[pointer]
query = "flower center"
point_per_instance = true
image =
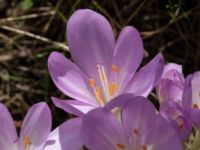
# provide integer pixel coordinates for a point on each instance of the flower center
(106, 90)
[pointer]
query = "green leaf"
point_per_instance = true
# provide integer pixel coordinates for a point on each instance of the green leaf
(26, 4)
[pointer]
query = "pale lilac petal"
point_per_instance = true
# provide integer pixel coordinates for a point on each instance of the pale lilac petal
(171, 67)
(8, 133)
(141, 121)
(169, 90)
(165, 137)
(146, 78)
(188, 101)
(194, 114)
(195, 83)
(70, 137)
(195, 103)
(101, 131)
(53, 141)
(178, 117)
(69, 78)
(119, 101)
(127, 55)
(91, 41)
(137, 115)
(74, 107)
(36, 125)
(187, 93)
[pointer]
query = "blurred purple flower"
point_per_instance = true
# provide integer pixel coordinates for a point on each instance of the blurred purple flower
(191, 101)
(170, 94)
(171, 85)
(134, 129)
(102, 69)
(35, 130)
(178, 117)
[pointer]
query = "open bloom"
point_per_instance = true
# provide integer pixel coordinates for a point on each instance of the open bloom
(35, 131)
(170, 93)
(139, 127)
(102, 68)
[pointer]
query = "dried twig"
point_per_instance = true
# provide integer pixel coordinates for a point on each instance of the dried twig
(30, 16)
(38, 37)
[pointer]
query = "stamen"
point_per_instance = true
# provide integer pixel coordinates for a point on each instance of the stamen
(110, 90)
(115, 69)
(121, 146)
(104, 81)
(91, 83)
(98, 95)
(115, 87)
(26, 142)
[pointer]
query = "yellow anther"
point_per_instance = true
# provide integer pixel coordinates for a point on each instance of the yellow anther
(121, 146)
(26, 142)
(98, 95)
(110, 89)
(115, 69)
(115, 87)
(91, 83)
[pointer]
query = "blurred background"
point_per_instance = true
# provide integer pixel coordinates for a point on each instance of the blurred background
(31, 29)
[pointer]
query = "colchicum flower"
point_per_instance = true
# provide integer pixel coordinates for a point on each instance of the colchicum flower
(102, 69)
(35, 131)
(191, 101)
(171, 85)
(139, 127)
(170, 93)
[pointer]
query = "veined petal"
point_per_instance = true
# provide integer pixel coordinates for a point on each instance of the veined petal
(127, 55)
(75, 107)
(69, 78)
(165, 137)
(170, 90)
(53, 141)
(91, 41)
(195, 84)
(178, 117)
(101, 131)
(146, 78)
(36, 126)
(119, 101)
(70, 134)
(144, 125)
(8, 133)
(172, 66)
(187, 93)
(137, 115)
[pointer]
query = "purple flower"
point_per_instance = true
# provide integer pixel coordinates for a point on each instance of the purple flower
(102, 68)
(178, 117)
(191, 101)
(138, 127)
(170, 93)
(35, 130)
(171, 85)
